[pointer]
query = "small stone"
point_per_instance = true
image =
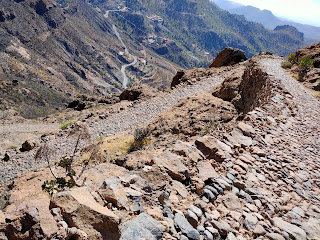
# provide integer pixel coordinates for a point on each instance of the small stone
(250, 221)
(259, 231)
(274, 236)
(223, 227)
(246, 129)
(196, 210)
(231, 236)
(231, 201)
(192, 218)
(258, 151)
(208, 235)
(214, 232)
(186, 228)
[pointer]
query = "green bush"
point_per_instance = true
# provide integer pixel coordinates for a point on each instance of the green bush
(306, 62)
(66, 125)
(292, 58)
(286, 65)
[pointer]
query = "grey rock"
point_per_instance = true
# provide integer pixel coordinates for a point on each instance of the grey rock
(240, 138)
(250, 221)
(192, 218)
(294, 231)
(223, 227)
(274, 236)
(142, 226)
(196, 210)
(207, 235)
(185, 227)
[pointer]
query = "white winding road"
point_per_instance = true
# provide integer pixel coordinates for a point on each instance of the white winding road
(135, 59)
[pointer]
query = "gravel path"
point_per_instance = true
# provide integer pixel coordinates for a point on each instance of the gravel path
(147, 111)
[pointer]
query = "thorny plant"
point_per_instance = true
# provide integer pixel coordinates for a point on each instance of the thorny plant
(81, 135)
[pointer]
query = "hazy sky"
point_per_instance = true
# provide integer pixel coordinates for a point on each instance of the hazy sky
(304, 11)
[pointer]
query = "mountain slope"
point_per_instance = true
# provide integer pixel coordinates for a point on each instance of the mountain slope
(267, 19)
(200, 26)
(52, 53)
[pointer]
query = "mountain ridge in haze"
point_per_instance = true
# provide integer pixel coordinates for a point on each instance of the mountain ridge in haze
(268, 19)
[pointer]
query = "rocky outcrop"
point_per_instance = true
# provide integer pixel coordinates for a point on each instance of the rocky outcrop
(138, 91)
(177, 79)
(80, 209)
(246, 90)
(228, 56)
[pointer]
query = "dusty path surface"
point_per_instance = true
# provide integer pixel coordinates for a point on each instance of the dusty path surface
(303, 127)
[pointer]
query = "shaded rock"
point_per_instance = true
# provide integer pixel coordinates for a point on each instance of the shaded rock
(138, 91)
(185, 227)
(223, 227)
(246, 91)
(26, 222)
(294, 231)
(6, 157)
(142, 227)
(77, 105)
(112, 190)
(28, 145)
(177, 78)
(173, 165)
(229, 56)
(81, 210)
(210, 148)
(192, 218)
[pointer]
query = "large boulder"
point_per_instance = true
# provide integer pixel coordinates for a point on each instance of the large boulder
(229, 56)
(29, 222)
(210, 148)
(80, 209)
(142, 227)
(173, 165)
(112, 190)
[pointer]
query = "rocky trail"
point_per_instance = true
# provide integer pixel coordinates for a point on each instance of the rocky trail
(257, 179)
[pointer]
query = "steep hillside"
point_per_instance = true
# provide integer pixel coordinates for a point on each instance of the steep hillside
(267, 19)
(52, 53)
(304, 65)
(197, 28)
